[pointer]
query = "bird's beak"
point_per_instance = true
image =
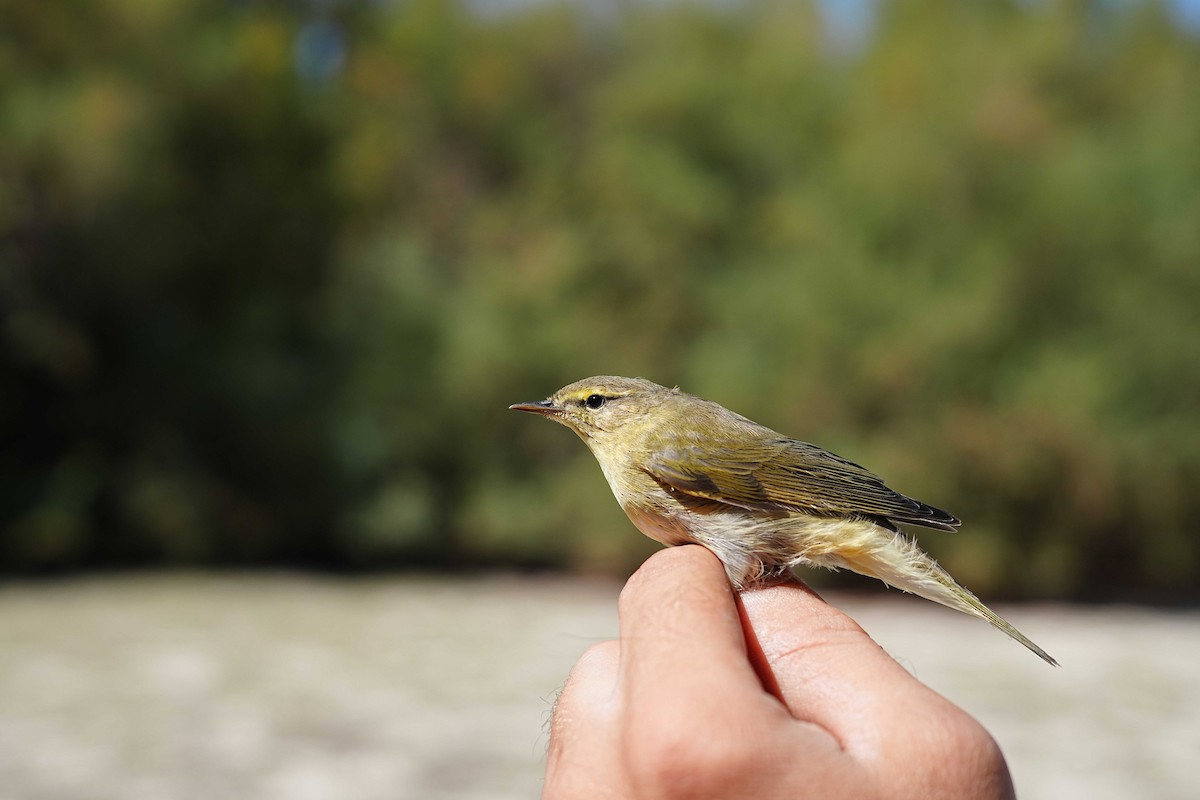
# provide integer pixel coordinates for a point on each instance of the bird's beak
(545, 407)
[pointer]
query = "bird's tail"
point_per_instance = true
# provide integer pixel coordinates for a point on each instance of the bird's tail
(897, 561)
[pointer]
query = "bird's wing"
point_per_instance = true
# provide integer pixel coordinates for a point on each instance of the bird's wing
(783, 475)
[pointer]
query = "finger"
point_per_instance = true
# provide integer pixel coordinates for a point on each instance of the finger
(584, 740)
(681, 635)
(827, 670)
(588, 701)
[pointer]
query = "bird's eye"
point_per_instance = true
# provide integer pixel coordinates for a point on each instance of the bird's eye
(594, 401)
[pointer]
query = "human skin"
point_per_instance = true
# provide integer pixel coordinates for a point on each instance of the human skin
(770, 693)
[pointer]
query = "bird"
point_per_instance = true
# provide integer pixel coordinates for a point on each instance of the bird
(688, 470)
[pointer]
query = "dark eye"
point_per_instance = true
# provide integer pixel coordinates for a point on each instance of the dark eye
(594, 400)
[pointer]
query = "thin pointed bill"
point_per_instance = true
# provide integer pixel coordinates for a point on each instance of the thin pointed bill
(544, 407)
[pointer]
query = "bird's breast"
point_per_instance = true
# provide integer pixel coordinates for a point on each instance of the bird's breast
(659, 523)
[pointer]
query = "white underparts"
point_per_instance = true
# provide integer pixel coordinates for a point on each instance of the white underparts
(752, 547)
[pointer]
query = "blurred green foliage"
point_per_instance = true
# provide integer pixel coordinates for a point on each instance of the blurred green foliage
(270, 274)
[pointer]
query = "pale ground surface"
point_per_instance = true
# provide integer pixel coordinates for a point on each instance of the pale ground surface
(264, 687)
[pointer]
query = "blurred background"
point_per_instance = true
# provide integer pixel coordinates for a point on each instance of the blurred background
(271, 272)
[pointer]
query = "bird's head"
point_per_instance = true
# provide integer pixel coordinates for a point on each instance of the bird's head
(604, 410)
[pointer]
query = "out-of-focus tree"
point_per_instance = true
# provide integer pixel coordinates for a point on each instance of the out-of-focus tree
(270, 273)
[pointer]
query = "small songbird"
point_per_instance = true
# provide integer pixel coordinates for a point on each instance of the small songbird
(687, 470)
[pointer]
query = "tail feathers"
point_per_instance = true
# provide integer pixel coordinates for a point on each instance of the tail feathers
(897, 561)
(964, 600)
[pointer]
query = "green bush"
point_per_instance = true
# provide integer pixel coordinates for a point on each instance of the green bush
(263, 309)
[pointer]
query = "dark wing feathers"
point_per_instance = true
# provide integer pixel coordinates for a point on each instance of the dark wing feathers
(782, 475)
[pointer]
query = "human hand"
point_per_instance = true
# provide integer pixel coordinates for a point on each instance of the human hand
(769, 694)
